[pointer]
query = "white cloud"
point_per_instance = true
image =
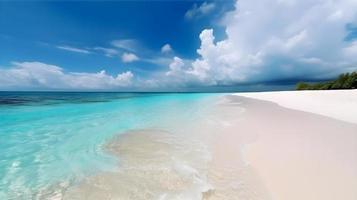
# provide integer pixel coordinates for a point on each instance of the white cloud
(37, 75)
(198, 11)
(73, 49)
(159, 60)
(127, 44)
(267, 40)
(109, 52)
(166, 48)
(175, 66)
(351, 50)
(129, 57)
(276, 40)
(100, 80)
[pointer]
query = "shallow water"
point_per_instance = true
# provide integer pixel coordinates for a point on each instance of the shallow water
(184, 161)
(154, 164)
(52, 141)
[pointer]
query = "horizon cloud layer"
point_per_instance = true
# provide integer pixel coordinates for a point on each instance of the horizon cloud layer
(265, 41)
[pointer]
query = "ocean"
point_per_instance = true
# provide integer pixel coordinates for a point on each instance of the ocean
(52, 140)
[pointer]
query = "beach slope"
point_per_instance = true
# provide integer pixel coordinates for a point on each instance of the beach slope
(338, 104)
(296, 154)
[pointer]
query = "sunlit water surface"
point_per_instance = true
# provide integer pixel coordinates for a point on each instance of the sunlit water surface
(52, 139)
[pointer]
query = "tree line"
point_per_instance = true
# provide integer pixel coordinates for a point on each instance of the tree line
(344, 81)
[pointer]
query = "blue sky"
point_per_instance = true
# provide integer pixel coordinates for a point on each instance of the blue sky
(170, 45)
(32, 30)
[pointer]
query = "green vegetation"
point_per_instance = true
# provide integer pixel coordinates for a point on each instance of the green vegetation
(344, 81)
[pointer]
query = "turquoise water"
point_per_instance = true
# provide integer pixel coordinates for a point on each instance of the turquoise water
(51, 139)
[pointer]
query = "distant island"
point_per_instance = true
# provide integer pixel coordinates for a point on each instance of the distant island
(344, 81)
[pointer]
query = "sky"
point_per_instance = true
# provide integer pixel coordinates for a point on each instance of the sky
(174, 45)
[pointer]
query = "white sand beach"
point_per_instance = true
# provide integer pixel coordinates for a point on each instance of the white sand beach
(296, 154)
(178, 100)
(244, 148)
(338, 104)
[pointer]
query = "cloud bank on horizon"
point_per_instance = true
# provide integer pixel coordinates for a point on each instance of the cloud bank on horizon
(277, 40)
(266, 41)
(37, 75)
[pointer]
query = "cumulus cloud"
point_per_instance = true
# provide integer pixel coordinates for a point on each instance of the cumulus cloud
(129, 57)
(74, 49)
(37, 75)
(267, 40)
(175, 66)
(278, 40)
(198, 11)
(166, 48)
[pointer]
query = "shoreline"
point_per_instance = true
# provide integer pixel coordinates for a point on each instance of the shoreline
(244, 148)
(153, 164)
(296, 154)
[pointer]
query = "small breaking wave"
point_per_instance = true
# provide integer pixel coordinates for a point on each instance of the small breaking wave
(154, 164)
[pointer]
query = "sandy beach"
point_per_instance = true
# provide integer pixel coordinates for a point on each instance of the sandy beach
(337, 104)
(295, 154)
(178, 100)
(244, 148)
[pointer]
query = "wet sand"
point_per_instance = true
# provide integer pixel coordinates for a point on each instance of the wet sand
(154, 164)
(242, 149)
